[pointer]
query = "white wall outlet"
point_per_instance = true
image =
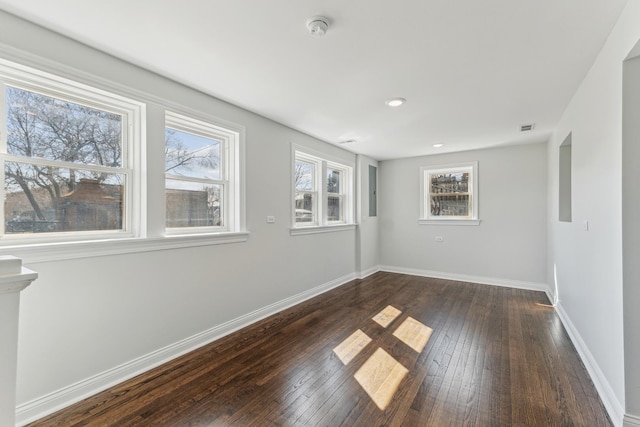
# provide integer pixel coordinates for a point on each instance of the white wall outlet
(439, 239)
(271, 219)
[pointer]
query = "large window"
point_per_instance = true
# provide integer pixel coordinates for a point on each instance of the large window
(198, 165)
(322, 191)
(68, 157)
(76, 168)
(449, 194)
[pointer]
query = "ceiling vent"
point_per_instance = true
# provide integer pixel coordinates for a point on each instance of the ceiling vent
(527, 128)
(348, 141)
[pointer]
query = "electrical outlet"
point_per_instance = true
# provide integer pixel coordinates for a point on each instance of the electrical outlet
(439, 239)
(271, 219)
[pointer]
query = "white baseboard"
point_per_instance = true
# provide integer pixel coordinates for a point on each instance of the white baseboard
(631, 421)
(613, 406)
(368, 272)
(52, 402)
(518, 284)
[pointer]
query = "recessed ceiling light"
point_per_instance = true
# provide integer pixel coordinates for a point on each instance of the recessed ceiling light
(395, 102)
(437, 145)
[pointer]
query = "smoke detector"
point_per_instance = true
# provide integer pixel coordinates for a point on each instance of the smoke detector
(318, 25)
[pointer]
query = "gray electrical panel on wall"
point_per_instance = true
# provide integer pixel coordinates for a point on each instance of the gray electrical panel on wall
(373, 191)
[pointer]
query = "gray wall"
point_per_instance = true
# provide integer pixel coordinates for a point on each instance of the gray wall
(90, 317)
(588, 260)
(508, 245)
(631, 230)
(87, 317)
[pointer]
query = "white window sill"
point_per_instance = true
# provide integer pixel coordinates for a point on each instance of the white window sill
(44, 252)
(449, 221)
(321, 229)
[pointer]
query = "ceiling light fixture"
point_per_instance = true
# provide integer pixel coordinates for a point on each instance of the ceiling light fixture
(318, 25)
(437, 145)
(395, 102)
(348, 141)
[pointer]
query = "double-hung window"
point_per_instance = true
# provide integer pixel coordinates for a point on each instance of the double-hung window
(199, 169)
(74, 162)
(449, 194)
(336, 176)
(69, 155)
(305, 178)
(322, 192)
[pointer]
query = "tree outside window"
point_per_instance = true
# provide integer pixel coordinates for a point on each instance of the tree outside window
(322, 193)
(196, 175)
(64, 166)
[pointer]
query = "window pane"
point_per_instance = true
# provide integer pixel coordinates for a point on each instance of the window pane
(54, 129)
(44, 199)
(334, 209)
(193, 204)
(304, 173)
(333, 181)
(450, 194)
(305, 212)
(450, 205)
(191, 155)
(457, 182)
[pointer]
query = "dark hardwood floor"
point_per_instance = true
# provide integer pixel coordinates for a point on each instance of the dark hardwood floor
(495, 357)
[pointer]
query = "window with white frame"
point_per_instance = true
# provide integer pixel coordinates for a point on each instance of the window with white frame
(199, 166)
(70, 156)
(335, 194)
(322, 191)
(74, 159)
(449, 194)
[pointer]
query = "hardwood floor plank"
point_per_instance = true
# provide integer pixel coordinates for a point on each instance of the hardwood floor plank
(493, 357)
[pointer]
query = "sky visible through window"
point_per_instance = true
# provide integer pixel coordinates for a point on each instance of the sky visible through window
(192, 155)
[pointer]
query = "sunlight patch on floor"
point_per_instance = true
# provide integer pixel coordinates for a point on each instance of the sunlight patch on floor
(380, 377)
(350, 347)
(386, 316)
(413, 333)
(539, 304)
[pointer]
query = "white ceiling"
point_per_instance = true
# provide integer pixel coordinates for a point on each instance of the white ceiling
(472, 71)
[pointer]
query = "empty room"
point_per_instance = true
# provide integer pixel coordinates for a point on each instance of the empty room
(320, 213)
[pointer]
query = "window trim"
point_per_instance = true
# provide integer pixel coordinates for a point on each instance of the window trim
(229, 151)
(322, 163)
(425, 217)
(150, 236)
(46, 252)
(342, 195)
(132, 112)
(317, 229)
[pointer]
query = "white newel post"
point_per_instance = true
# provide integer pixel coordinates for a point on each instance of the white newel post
(13, 279)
